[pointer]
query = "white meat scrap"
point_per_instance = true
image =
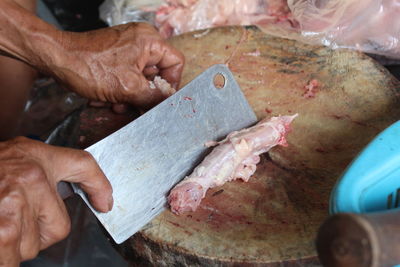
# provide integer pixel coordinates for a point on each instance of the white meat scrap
(311, 89)
(161, 84)
(235, 157)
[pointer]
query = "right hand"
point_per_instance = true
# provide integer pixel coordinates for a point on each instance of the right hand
(32, 214)
(114, 64)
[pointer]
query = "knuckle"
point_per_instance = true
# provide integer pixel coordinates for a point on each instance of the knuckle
(13, 200)
(88, 161)
(143, 25)
(33, 174)
(30, 253)
(65, 229)
(81, 158)
(19, 139)
(21, 142)
(86, 157)
(62, 230)
(9, 233)
(12, 203)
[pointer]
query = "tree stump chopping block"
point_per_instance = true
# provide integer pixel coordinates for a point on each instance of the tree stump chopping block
(343, 99)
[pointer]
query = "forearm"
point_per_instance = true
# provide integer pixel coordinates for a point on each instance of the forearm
(26, 37)
(108, 64)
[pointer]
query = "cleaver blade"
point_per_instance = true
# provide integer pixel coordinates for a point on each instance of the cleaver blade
(147, 157)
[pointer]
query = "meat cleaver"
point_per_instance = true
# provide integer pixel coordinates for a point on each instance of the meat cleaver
(147, 157)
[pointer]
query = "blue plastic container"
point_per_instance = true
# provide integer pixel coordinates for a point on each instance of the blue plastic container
(372, 180)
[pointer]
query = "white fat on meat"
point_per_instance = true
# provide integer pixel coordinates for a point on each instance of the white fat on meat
(162, 85)
(235, 157)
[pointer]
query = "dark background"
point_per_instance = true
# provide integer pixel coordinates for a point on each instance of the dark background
(76, 15)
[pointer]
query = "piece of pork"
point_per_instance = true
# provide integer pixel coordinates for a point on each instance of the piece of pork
(311, 89)
(235, 157)
(180, 16)
(162, 85)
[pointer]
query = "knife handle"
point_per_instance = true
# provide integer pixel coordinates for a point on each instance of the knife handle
(360, 240)
(65, 190)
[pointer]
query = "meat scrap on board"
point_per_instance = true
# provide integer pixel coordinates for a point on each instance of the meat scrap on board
(235, 157)
(161, 84)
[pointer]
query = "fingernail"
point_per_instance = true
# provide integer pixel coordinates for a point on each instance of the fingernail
(110, 203)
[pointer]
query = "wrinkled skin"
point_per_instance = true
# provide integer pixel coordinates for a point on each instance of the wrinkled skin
(118, 75)
(107, 65)
(32, 214)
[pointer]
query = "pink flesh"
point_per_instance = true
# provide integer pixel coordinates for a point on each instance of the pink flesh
(180, 16)
(311, 89)
(235, 157)
(161, 84)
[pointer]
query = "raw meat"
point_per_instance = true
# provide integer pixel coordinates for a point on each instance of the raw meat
(234, 158)
(161, 84)
(369, 25)
(311, 89)
(179, 16)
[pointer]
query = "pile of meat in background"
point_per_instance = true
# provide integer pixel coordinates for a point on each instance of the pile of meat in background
(174, 17)
(369, 25)
(179, 16)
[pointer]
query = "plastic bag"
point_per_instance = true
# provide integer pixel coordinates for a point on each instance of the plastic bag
(368, 25)
(177, 17)
(174, 17)
(115, 12)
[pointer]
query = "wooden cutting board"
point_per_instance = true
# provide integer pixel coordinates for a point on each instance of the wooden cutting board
(271, 220)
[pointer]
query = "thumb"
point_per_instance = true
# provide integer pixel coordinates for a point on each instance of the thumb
(71, 165)
(78, 166)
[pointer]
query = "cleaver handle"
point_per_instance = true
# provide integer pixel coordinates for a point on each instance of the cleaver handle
(65, 190)
(360, 240)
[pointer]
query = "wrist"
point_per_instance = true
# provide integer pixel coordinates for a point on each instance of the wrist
(49, 52)
(24, 36)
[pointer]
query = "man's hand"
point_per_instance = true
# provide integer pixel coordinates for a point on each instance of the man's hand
(32, 214)
(109, 65)
(114, 64)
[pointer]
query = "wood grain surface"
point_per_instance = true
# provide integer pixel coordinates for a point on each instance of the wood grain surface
(272, 220)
